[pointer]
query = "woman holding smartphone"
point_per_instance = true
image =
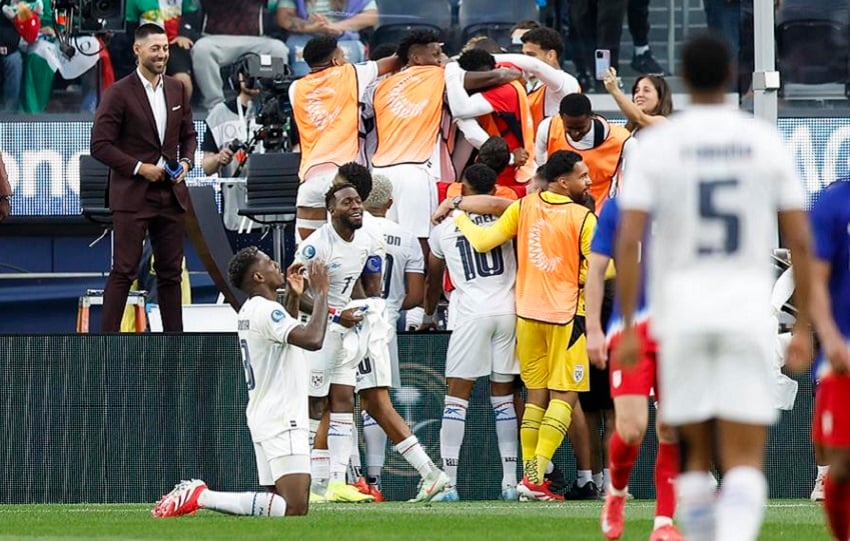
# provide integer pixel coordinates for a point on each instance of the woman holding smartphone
(651, 100)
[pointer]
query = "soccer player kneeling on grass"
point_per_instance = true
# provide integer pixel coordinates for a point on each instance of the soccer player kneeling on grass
(277, 376)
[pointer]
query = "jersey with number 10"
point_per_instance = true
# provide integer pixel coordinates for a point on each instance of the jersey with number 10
(484, 283)
(345, 260)
(276, 373)
(712, 181)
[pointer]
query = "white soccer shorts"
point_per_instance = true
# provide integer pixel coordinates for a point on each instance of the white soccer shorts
(326, 366)
(285, 454)
(726, 376)
(414, 197)
(483, 346)
(311, 192)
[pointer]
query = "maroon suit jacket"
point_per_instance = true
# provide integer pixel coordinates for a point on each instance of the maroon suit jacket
(124, 133)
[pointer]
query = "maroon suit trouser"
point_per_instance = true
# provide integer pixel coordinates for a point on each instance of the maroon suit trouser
(163, 219)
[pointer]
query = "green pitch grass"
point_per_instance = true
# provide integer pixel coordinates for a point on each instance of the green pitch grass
(491, 521)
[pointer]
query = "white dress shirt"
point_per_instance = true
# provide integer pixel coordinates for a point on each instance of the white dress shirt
(156, 99)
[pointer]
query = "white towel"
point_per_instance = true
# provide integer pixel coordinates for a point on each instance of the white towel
(369, 338)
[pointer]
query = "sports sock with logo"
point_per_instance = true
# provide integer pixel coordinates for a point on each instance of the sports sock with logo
(666, 469)
(415, 455)
(451, 434)
(740, 504)
(622, 457)
(697, 499)
(257, 504)
(320, 470)
(529, 434)
(506, 435)
(553, 428)
(339, 444)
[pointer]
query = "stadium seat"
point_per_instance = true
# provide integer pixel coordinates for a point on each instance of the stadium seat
(801, 47)
(494, 18)
(272, 186)
(398, 17)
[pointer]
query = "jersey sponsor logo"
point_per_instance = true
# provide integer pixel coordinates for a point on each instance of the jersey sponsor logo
(277, 316)
(578, 373)
(244, 325)
(317, 378)
(373, 264)
(537, 251)
(309, 251)
(402, 107)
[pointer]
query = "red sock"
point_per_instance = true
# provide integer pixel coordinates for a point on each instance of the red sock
(836, 503)
(666, 470)
(622, 457)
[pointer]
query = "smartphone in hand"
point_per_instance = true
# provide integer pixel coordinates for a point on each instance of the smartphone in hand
(603, 62)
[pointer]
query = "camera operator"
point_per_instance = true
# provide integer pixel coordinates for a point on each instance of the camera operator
(230, 126)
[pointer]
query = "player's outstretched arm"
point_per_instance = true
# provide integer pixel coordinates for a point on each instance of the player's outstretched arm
(312, 335)
(794, 225)
(594, 287)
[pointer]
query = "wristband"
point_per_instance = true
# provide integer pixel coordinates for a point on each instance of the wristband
(334, 315)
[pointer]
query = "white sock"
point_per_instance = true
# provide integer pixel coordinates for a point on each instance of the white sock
(660, 522)
(339, 444)
(597, 479)
(376, 448)
(696, 495)
(640, 49)
(415, 455)
(507, 435)
(314, 427)
(606, 479)
(550, 467)
(355, 467)
(257, 504)
(320, 470)
(583, 477)
(740, 505)
(451, 434)
(823, 470)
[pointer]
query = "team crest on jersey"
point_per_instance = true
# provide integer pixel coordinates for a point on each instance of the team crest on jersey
(309, 251)
(277, 316)
(617, 378)
(578, 373)
(317, 378)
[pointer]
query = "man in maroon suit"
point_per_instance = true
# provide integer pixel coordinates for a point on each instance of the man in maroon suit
(143, 127)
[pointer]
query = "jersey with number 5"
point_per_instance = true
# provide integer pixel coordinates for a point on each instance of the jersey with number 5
(345, 260)
(276, 373)
(712, 180)
(484, 282)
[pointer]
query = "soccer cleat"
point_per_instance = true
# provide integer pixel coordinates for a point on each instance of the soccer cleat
(365, 488)
(448, 494)
(528, 491)
(317, 498)
(586, 492)
(182, 500)
(612, 520)
(509, 494)
(817, 492)
(431, 485)
(557, 481)
(339, 492)
(666, 533)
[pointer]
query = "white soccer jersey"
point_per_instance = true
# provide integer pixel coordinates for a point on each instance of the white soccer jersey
(484, 282)
(404, 254)
(276, 373)
(713, 196)
(345, 260)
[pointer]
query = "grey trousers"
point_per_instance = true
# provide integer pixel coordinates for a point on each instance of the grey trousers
(211, 52)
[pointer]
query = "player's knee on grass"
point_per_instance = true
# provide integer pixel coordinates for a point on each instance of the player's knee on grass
(295, 489)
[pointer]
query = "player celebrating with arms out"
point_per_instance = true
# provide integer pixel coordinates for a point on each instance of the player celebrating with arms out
(277, 376)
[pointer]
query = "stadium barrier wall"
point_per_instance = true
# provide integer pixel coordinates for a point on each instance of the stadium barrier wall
(121, 418)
